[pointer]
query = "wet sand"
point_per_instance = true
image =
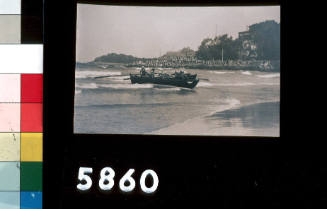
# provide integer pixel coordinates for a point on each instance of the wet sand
(260, 119)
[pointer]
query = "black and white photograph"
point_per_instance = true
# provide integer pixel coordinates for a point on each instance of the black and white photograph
(187, 70)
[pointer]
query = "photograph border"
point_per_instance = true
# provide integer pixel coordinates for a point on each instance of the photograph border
(192, 3)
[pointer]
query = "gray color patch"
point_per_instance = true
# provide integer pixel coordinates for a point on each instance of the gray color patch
(10, 29)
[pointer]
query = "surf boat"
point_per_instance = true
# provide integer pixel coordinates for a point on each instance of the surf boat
(180, 79)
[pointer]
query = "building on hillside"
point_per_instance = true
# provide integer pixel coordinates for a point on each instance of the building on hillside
(248, 46)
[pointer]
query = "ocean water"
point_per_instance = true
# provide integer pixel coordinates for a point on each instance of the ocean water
(225, 102)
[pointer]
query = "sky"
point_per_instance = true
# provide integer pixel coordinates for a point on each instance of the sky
(152, 31)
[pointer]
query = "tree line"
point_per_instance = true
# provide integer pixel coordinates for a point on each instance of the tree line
(265, 35)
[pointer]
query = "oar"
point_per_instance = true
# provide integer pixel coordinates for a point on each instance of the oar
(205, 79)
(106, 76)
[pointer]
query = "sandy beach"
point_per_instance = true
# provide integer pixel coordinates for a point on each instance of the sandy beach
(250, 120)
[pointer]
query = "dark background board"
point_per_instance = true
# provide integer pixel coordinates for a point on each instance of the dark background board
(194, 172)
(31, 21)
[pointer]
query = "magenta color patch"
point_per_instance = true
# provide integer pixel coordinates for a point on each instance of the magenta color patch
(10, 117)
(9, 88)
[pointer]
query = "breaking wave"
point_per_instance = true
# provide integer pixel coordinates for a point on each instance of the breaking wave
(246, 84)
(120, 78)
(236, 84)
(78, 91)
(197, 122)
(126, 86)
(271, 84)
(169, 89)
(79, 87)
(232, 102)
(272, 75)
(246, 73)
(86, 85)
(93, 74)
(119, 105)
(205, 84)
(220, 72)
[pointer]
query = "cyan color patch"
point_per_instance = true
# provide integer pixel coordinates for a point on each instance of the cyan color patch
(31, 200)
(9, 176)
(9, 200)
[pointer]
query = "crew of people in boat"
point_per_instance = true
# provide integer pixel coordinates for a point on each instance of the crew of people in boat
(179, 74)
(181, 79)
(144, 73)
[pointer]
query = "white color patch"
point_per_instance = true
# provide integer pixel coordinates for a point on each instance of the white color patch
(21, 58)
(10, 6)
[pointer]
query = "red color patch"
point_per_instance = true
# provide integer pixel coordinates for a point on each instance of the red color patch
(31, 88)
(31, 117)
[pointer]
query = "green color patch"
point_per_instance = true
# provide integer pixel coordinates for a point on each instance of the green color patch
(31, 176)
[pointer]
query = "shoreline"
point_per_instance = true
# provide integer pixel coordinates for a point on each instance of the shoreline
(274, 66)
(200, 126)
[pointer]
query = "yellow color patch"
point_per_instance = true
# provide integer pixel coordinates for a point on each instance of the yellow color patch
(9, 146)
(31, 147)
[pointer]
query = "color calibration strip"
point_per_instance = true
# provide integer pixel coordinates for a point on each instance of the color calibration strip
(21, 99)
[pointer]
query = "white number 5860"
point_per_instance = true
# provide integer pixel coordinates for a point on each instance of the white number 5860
(126, 183)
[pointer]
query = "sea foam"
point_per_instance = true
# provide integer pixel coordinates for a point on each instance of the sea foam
(205, 84)
(126, 86)
(220, 72)
(86, 85)
(120, 78)
(246, 73)
(236, 84)
(78, 91)
(272, 75)
(197, 125)
(93, 74)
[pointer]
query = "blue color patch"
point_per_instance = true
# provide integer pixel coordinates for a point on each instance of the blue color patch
(31, 200)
